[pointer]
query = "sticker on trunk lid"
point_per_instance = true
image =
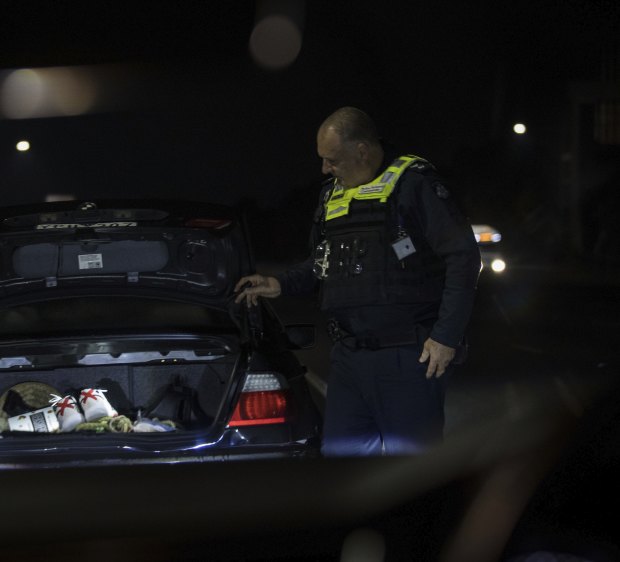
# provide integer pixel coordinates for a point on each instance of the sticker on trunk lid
(90, 261)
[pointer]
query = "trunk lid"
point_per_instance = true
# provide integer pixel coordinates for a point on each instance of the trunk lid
(187, 249)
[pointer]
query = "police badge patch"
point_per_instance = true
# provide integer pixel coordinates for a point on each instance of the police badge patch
(441, 190)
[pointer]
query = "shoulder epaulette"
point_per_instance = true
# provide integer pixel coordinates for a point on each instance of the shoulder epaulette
(421, 165)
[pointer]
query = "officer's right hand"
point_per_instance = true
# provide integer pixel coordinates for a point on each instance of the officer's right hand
(253, 286)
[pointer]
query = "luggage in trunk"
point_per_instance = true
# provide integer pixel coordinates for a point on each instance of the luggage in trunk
(187, 395)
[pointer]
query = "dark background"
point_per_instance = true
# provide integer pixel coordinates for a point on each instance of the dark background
(192, 115)
(185, 112)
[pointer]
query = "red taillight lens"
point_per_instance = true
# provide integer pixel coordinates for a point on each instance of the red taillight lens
(259, 408)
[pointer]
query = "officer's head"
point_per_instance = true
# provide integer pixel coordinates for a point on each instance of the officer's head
(349, 146)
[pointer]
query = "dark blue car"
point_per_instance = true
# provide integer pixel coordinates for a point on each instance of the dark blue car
(128, 306)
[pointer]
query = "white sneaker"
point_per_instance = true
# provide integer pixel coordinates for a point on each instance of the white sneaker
(95, 405)
(67, 411)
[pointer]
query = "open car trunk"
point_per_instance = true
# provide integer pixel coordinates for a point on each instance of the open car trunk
(162, 402)
(188, 396)
(204, 389)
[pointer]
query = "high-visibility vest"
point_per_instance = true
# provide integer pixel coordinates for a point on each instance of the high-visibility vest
(357, 262)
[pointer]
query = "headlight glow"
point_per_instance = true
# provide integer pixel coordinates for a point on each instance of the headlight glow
(498, 265)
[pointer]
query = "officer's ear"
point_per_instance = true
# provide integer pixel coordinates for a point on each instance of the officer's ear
(362, 151)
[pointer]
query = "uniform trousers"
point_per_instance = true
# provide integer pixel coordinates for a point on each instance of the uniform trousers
(379, 402)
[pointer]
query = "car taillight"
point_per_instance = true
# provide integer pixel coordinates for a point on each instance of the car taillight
(263, 400)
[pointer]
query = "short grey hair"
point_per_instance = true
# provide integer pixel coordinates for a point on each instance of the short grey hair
(353, 125)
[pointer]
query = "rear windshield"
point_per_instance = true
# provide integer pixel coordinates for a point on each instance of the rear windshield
(84, 315)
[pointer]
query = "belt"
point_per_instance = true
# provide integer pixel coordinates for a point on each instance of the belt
(372, 342)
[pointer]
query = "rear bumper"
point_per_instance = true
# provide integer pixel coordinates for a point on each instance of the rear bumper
(45, 460)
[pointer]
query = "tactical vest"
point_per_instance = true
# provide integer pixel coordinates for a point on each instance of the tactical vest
(357, 261)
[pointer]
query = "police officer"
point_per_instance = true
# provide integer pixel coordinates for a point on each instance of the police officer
(398, 266)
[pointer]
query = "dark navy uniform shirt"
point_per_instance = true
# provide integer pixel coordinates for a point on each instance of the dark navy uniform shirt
(421, 197)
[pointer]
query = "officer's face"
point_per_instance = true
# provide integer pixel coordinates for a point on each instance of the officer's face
(341, 159)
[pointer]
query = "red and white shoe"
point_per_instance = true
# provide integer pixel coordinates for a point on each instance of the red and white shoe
(95, 405)
(67, 411)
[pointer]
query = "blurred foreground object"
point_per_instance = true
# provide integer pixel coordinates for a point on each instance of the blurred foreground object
(276, 39)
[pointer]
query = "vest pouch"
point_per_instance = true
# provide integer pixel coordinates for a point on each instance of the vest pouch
(356, 269)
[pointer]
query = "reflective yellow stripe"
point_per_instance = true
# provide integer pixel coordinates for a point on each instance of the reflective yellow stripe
(337, 211)
(380, 188)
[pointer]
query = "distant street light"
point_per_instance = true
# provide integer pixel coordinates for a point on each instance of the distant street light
(519, 128)
(23, 146)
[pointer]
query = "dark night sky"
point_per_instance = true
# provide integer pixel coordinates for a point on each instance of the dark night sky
(198, 119)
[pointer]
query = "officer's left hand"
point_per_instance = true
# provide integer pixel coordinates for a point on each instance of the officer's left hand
(438, 357)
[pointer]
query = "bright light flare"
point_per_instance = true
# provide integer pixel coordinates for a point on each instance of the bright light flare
(47, 92)
(519, 128)
(23, 146)
(498, 265)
